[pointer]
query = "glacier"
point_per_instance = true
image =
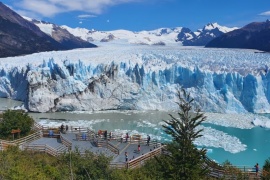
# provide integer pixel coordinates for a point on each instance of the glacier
(136, 77)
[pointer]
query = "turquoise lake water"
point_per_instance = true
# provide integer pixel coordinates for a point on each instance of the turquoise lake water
(257, 139)
(258, 146)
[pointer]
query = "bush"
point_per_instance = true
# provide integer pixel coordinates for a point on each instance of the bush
(17, 164)
(266, 169)
(13, 119)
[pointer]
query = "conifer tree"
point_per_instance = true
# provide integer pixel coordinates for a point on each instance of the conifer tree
(183, 159)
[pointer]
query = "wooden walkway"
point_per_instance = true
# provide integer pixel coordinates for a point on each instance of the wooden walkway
(50, 140)
(83, 139)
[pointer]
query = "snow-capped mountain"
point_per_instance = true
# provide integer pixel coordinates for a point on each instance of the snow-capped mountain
(255, 35)
(202, 36)
(61, 35)
(162, 36)
(19, 36)
(155, 37)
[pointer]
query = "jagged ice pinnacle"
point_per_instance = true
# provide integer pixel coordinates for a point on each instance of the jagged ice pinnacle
(138, 77)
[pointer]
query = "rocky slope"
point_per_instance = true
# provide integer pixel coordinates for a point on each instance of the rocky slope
(255, 35)
(61, 35)
(19, 36)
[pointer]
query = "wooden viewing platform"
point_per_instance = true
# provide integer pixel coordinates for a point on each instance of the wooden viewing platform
(54, 142)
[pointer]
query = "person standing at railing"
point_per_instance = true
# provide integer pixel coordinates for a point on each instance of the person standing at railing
(126, 156)
(110, 135)
(148, 140)
(84, 136)
(127, 137)
(105, 134)
(62, 128)
(139, 148)
(50, 133)
(257, 169)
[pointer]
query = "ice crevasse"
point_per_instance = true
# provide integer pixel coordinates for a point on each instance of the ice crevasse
(139, 78)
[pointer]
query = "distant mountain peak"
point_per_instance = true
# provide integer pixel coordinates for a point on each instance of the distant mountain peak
(202, 36)
(210, 26)
(254, 35)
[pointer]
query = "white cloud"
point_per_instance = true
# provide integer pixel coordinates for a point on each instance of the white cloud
(40, 7)
(108, 21)
(267, 13)
(28, 14)
(83, 16)
(49, 8)
(80, 22)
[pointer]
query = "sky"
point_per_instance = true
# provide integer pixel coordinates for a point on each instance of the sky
(137, 15)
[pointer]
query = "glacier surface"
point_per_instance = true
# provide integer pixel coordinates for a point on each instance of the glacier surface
(135, 77)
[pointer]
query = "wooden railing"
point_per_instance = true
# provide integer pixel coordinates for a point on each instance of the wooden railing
(244, 171)
(43, 148)
(77, 129)
(100, 142)
(130, 139)
(113, 148)
(230, 171)
(28, 138)
(37, 126)
(6, 144)
(118, 165)
(21, 141)
(71, 129)
(139, 161)
(90, 132)
(84, 137)
(66, 141)
(144, 141)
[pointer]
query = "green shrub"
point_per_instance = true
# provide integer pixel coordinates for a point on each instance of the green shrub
(266, 169)
(13, 119)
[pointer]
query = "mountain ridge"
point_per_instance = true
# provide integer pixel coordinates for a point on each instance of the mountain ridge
(19, 36)
(181, 35)
(255, 35)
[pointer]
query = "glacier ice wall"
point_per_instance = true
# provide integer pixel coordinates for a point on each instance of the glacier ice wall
(138, 78)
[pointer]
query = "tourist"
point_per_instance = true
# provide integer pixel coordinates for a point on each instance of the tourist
(66, 128)
(148, 140)
(110, 135)
(105, 134)
(50, 133)
(127, 137)
(62, 128)
(257, 169)
(84, 136)
(139, 148)
(126, 156)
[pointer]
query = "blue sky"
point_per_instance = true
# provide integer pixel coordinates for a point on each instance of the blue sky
(139, 15)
